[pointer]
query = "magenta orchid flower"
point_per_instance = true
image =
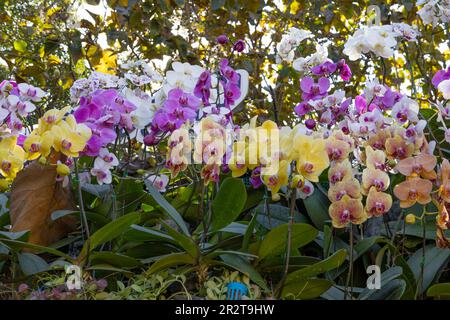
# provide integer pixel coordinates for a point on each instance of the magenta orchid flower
(312, 90)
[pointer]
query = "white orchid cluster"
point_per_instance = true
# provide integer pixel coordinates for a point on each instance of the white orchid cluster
(16, 102)
(434, 11)
(304, 64)
(381, 40)
(289, 42)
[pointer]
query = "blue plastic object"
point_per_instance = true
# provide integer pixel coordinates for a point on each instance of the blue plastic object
(236, 291)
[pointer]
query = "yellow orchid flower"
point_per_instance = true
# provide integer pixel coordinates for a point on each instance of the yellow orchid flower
(50, 118)
(276, 181)
(36, 145)
(12, 157)
(312, 156)
(67, 140)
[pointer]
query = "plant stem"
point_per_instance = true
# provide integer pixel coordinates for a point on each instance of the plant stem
(80, 201)
(289, 241)
(350, 267)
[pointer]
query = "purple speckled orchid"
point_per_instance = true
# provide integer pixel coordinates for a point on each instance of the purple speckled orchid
(101, 112)
(231, 93)
(440, 76)
(344, 70)
(312, 90)
(179, 108)
(324, 69)
(228, 72)
(255, 178)
(303, 108)
(202, 89)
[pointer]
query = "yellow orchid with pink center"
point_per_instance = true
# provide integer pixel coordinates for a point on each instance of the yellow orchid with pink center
(398, 148)
(421, 165)
(38, 144)
(312, 157)
(443, 219)
(12, 157)
(444, 177)
(179, 152)
(349, 187)
(275, 181)
(413, 190)
(345, 211)
(377, 203)
(337, 150)
(378, 140)
(340, 171)
(374, 178)
(51, 118)
(69, 137)
(375, 159)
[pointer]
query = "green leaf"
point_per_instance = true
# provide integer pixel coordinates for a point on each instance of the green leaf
(274, 242)
(328, 264)
(435, 260)
(305, 289)
(171, 260)
(97, 218)
(20, 45)
(171, 212)
(140, 233)
(184, 241)
(17, 245)
(114, 259)
(392, 290)
(228, 203)
(19, 235)
(241, 264)
(249, 232)
(275, 216)
(317, 208)
(109, 232)
(386, 277)
(440, 290)
(31, 263)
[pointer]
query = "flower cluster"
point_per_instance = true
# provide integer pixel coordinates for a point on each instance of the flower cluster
(16, 102)
(102, 112)
(381, 40)
(289, 43)
(434, 11)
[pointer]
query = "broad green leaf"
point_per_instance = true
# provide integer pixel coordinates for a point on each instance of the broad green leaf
(109, 232)
(17, 245)
(275, 241)
(19, 235)
(334, 261)
(305, 289)
(241, 264)
(114, 259)
(392, 290)
(171, 212)
(386, 277)
(31, 263)
(439, 290)
(276, 215)
(171, 260)
(317, 208)
(435, 260)
(228, 203)
(183, 241)
(20, 45)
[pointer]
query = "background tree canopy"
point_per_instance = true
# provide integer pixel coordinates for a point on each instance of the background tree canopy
(52, 43)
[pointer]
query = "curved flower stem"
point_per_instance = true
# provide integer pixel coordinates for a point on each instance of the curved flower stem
(80, 201)
(350, 267)
(289, 243)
